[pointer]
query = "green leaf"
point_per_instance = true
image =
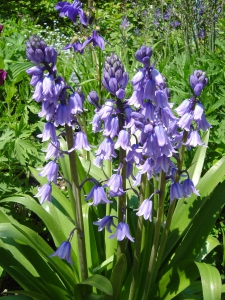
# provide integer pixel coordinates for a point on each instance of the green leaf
(34, 295)
(16, 297)
(94, 297)
(63, 202)
(210, 244)
(90, 240)
(198, 161)
(22, 148)
(211, 281)
(199, 227)
(99, 282)
(103, 265)
(35, 260)
(174, 281)
(117, 277)
(188, 208)
(193, 291)
(59, 266)
(18, 70)
(49, 221)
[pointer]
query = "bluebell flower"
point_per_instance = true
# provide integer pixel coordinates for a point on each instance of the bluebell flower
(80, 142)
(115, 185)
(105, 150)
(35, 49)
(143, 55)
(145, 209)
(51, 171)
(75, 103)
(98, 195)
(45, 192)
(93, 98)
(64, 252)
(96, 123)
(52, 150)
(47, 110)
(111, 127)
(122, 232)
(185, 121)
(106, 222)
(176, 192)
(183, 108)
(106, 109)
(63, 115)
(198, 81)
(189, 188)
(138, 77)
(123, 140)
(194, 139)
(49, 132)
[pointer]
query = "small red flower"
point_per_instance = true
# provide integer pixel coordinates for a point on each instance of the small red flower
(1, 28)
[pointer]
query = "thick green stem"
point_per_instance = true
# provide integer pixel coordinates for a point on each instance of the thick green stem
(158, 224)
(170, 212)
(138, 240)
(77, 205)
(122, 202)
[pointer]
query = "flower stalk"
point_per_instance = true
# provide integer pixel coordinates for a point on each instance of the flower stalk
(158, 224)
(77, 206)
(138, 241)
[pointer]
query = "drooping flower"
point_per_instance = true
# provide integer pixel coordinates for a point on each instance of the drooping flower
(194, 139)
(123, 140)
(98, 195)
(45, 192)
(51, 171)
(146, 209)
(176, 192)
(80, 142)
(115, 185)
(189, 188)
(75, 103)
(53, 150)
(93, 98)
(48, 133)
(106, 222)
(122, 232)
(63, 252)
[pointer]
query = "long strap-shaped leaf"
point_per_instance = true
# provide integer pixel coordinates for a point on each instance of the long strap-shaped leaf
(187, 208)
(211, 281)
(199, 227)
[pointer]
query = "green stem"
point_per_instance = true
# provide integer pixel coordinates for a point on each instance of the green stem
(77, 205)
(158, 224)
(170, 212)
(100, 75)
(122, 202)
(138, 240)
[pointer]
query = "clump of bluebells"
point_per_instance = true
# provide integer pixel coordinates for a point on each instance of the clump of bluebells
(141, 132)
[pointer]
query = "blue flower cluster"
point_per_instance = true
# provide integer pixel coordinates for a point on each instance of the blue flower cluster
(143, 126)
